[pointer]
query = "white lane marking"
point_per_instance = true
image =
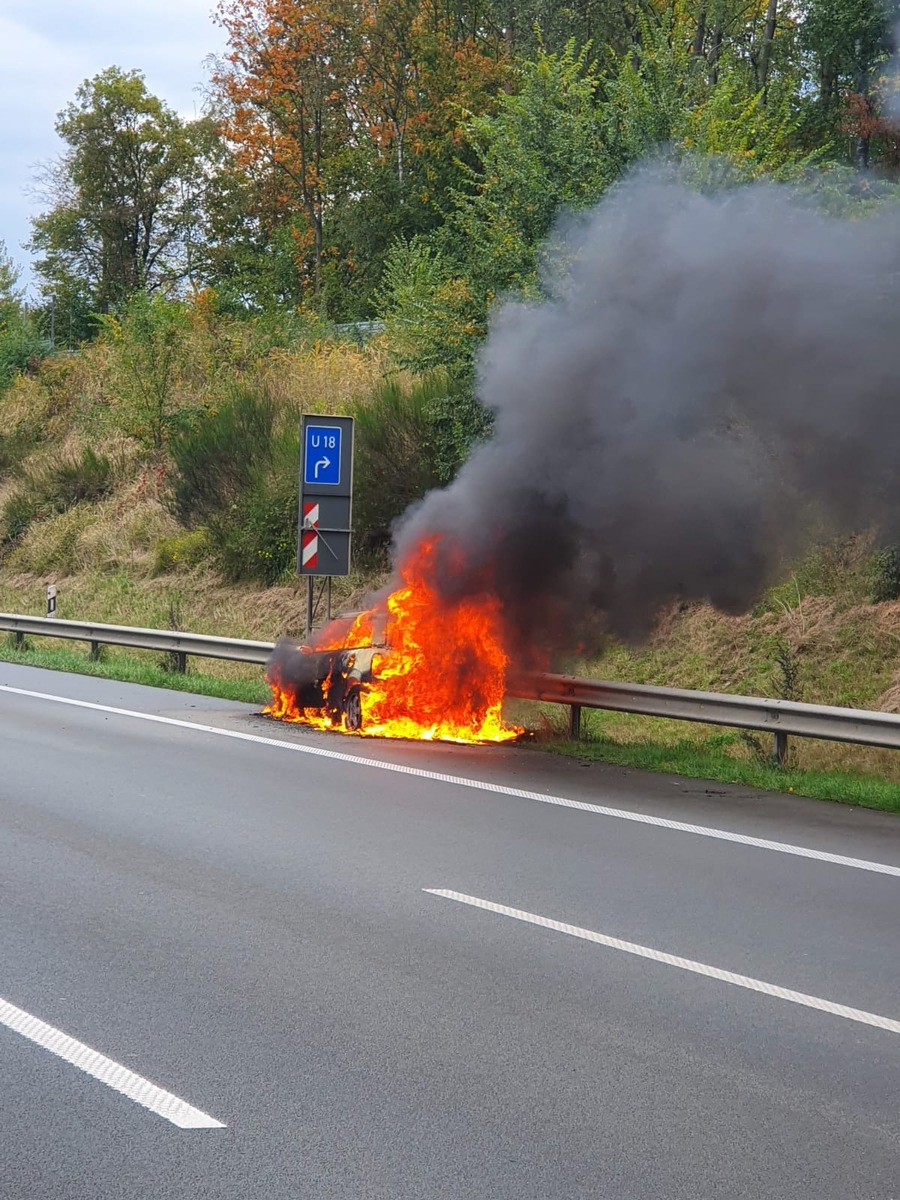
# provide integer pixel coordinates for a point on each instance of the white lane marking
(113, 1074)
(674, 960)
(601, 810)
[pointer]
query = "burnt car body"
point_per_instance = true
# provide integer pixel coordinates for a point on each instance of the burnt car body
(331, 680)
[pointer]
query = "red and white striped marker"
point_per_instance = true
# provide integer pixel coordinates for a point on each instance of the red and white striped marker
(309, 539)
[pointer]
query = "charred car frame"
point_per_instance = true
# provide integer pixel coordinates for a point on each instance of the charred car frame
(331, 680)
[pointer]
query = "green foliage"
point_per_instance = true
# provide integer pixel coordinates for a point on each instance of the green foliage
(20, 337)
(458, 421)
(151, 339)
(397, 458)
(848, 39)
(250, 261)
(130, 667)
(184, 550)
(530, 25)
(54, 485)
(238, 475)
(432, 320)
(886, 575)
(19, 510)
(68, 481)
(124, 198)
(750, 136)
(372, 209)
(645, 96)
(543, 151)
(215, 460)
(841, 568)
(256, 538)
(714, 758)
(21, 344)
(10, 292)
(786, 677)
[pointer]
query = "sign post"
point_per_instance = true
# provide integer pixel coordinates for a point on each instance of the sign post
(326, 498)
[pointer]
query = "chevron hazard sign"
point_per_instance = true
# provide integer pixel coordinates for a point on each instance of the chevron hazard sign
(309, 538)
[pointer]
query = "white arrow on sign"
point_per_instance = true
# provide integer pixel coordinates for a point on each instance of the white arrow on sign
(323, 462)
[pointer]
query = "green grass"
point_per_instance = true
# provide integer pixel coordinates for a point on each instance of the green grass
(710, 760)
(130, 668)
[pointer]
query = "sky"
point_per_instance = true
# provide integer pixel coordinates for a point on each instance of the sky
(49, 47)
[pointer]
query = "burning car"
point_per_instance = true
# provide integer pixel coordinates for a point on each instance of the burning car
(413, 666)
(329, 679)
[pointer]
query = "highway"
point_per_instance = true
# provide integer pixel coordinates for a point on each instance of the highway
(245, 960)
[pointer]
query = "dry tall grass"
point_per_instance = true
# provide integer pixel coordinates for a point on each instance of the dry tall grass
(86, 399)
(821, 651)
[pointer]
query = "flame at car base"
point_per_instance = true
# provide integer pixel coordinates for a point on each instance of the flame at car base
(441, 676)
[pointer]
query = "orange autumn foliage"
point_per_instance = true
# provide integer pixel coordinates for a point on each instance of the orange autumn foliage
(306, 83)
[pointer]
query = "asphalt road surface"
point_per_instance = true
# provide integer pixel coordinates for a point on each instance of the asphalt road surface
(244, 960)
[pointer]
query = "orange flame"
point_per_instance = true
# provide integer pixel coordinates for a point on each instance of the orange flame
(441, 676)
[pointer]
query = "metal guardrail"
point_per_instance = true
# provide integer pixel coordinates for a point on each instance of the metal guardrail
(180, 644)
(781, 718)
(778, 717)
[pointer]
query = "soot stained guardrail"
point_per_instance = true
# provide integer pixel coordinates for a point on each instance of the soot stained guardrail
(781, 718)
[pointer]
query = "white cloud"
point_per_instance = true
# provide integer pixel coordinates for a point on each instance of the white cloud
(47, 49)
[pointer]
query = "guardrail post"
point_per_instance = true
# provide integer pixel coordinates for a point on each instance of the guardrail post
(575, 721)
(780, 749)
(20, 639)
(95, 652)
(180, 662)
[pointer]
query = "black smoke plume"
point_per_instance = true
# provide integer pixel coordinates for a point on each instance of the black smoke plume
(713, 381)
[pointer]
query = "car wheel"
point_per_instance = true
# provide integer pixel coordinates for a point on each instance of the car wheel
(353, 709)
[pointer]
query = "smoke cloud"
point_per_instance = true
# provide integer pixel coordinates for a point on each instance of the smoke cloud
(713, 382)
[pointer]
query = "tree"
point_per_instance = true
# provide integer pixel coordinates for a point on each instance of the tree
(20, 338)
(345, 115)
(124, 197)
(151, 341)
(850, 42)
(279, 83)
(526, 25)
(543, 151)
(10, 292)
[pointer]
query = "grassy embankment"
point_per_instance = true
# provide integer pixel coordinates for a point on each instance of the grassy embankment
(816, 638)
(103, 529)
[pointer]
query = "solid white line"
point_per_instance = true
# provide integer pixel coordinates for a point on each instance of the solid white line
(601, 810)
(674, 960)
(113, 1074)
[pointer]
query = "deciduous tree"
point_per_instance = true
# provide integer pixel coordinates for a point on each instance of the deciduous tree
(123, 197)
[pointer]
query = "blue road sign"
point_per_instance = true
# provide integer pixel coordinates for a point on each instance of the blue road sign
(322, 454)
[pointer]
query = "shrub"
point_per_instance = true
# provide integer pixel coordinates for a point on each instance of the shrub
(14, 447)
(20, 343)
(151, 341)
(886, 575)
(256, 537)
(397, 457)
(54, 485)
(68, 481)
(458, 420)
(239, 476)
(54, 545)
(183, 550)
(216, 460)
(18, 513)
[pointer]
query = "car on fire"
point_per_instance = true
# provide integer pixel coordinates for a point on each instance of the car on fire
(333, 679)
